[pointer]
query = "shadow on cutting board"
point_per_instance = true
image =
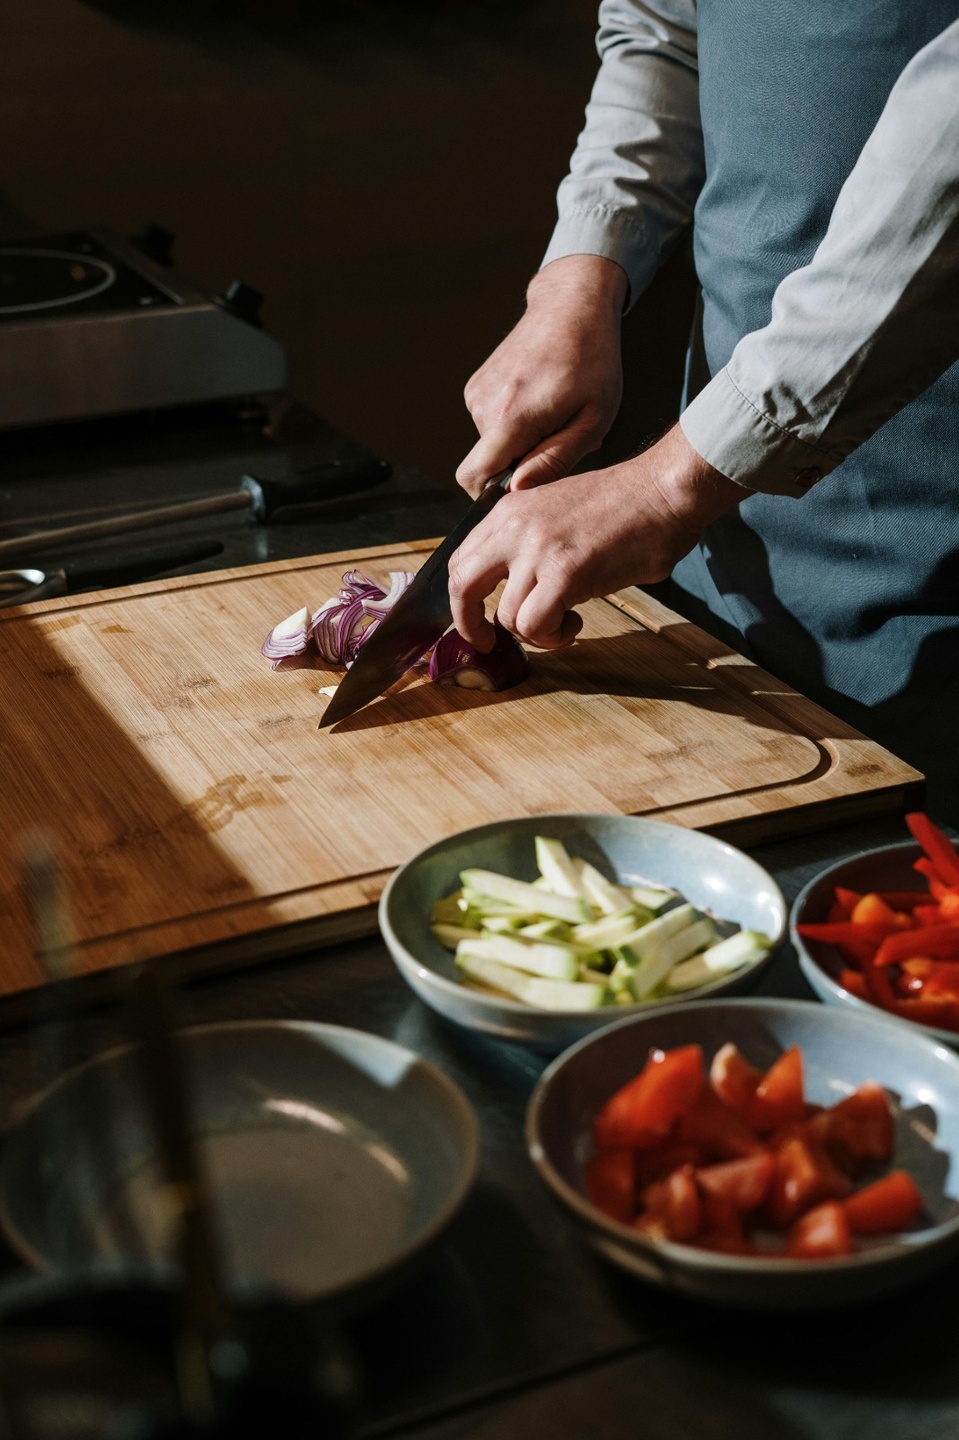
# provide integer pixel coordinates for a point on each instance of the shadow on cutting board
(126, 843)
(635, 665)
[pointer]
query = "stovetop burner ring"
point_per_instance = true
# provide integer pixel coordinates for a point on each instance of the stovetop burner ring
(48, 279)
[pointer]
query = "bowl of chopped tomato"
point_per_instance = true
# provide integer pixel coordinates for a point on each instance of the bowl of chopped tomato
(771, 1154)
(880, 930)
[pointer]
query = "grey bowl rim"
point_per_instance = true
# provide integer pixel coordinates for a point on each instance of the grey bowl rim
(487, 1003)
(816, 974)
(111, 1266)
(690, 1257)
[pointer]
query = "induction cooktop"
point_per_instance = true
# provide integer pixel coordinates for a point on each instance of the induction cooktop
(90, 326)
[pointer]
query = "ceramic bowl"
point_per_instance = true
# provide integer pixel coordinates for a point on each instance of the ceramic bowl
(840, 1052)
(711, 874)
(888, 868)
(332, 1159)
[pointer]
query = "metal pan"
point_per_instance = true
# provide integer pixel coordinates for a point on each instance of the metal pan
(333, 1158)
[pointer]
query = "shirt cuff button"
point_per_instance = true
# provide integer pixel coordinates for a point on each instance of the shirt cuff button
(805, 479)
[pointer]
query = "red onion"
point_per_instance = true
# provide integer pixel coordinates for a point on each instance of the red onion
(341, 625)
(455, 662)
(290, 637)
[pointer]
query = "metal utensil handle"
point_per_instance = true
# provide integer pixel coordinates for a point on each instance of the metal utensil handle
(25, 545)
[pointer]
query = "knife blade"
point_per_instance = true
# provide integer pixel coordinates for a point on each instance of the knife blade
(416, 621)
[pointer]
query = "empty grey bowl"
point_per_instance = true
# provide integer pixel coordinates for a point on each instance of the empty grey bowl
(840, 1052)
(711, 874)
(333, 1157)
(887, 868)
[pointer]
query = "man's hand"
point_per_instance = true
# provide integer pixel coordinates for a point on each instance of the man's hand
(559, 545)
(549, 393)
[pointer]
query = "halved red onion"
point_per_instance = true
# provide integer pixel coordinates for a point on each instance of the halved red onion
(291, 637)
(455, 662)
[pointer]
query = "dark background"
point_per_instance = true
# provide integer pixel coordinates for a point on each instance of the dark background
(383, 170)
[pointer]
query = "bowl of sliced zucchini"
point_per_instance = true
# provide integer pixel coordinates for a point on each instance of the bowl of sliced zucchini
(544, 928)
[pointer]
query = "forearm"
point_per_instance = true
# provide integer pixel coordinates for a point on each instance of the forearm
(638, 164)
(871, 321)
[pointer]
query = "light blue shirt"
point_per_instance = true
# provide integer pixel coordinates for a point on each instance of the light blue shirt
(854, 335)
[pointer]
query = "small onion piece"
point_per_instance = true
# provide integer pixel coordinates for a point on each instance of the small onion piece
(455, 662)
(291, 637)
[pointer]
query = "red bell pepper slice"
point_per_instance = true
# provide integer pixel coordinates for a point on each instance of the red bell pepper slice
(820, 1234)
(848, 899)
(842, 931)
(854, 982)
(941, 941)
(937, 845)
(873, 910)
(644, 1110)
(885, 1206)
(903, 899)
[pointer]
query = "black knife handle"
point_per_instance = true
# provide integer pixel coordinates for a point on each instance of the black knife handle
(320, 482)
(133, 565)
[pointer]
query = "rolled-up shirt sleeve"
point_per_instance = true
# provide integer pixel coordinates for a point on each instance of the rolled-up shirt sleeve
(871, 321)
(638, 165)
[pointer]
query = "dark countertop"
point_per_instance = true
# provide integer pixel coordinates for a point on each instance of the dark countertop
(511, 1326)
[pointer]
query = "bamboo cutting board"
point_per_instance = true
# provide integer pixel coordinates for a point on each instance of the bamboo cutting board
(197, 808)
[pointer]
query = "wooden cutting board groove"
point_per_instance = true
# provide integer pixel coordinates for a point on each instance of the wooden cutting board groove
(198, 810)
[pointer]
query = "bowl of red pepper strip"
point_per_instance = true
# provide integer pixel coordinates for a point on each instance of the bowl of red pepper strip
(838, 1067)
(881, 930)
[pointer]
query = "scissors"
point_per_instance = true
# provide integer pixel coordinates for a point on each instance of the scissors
(20, 587)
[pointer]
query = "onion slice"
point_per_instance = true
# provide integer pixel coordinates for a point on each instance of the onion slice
(340, 627)
(291, 637)
(455, 662)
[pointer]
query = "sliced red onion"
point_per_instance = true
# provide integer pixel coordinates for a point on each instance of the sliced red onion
(340, 626)
(290, 637)
(455, 662)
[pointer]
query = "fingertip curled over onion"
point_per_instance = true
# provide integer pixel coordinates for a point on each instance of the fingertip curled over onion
(455, 662)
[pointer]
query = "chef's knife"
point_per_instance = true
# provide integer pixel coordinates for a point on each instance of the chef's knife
(416, 621)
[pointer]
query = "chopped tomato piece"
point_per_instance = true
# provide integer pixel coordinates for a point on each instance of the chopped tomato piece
(676, 1202)
(779, 1096)
(733, 1078)
(820, 1234)
(643, 1111)
(610, 1179)
(722, 1228)
(662, 1160)
(804, 1176)
(886, 1205)
(719, 1132)
(742, 1184)
(860, 1127)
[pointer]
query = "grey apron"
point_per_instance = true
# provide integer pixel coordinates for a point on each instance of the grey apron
(851, 594)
